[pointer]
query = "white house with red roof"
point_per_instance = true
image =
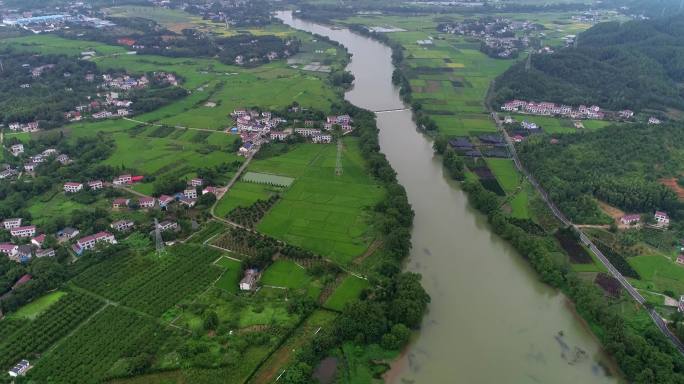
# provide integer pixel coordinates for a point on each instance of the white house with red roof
(213, 190)
(38, 240)
(71, 187)
(26, 231)
(88, 242)
(8, 249)
(120, 203)
(630, 219)
(146, 202)
(165, 200)
(122, 225)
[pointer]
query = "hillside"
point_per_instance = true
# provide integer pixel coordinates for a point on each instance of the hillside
(635, 65)
(579, 168)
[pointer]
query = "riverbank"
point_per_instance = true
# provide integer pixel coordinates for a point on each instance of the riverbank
(487, 309)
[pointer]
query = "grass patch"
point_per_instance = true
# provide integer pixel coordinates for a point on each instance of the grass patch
(348, 291)
(285, 273)
(36, 307)
(230, 278)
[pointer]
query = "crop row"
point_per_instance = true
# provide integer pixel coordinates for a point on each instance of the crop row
(152, 284)
(53, 324)
(113, 336)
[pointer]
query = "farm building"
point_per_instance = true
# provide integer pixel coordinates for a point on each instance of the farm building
(20, 368)
(249, 280)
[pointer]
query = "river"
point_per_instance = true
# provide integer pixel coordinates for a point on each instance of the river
(490, 319)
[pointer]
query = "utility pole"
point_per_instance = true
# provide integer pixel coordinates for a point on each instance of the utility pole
(158, 238)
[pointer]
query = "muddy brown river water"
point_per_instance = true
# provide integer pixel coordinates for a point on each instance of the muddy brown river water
(490, 320)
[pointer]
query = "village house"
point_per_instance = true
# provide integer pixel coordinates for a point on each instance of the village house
(307, 132)
(122, 225)
(190, 193)
(12, 223)
(626, 114)
(165, 200)
(146, 202)
(49, 152)
(122, 179)
(24, 254)
(661, 218)
(22, 280)
(529, 125)
(321, 139)
(186, 201)
(101, 115)
(20, 368)
(630, 219)
(31, 166)
(71, 187)
(680, 306)
(249, 280)
(8, 172)
(167, 225)
(654, 120)
(63, 159)
(212, 190)
(508, 120)
(88, 242)
(8, 249)
(17, 149)
(94, 185)
(38, 240)
(517, 138)
(49, 252)
(26, 231)
(120, 203)
(196, 182)
(279, 135)
(67, 233)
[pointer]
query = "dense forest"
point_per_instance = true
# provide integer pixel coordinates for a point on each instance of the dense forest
(620, 165)
(45, 97)
(635, 65)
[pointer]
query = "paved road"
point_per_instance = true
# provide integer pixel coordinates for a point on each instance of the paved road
(657, 319)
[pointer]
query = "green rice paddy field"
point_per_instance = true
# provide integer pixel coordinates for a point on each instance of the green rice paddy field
(321, 211)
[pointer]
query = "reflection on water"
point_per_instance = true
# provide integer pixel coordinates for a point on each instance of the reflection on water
(490, 320)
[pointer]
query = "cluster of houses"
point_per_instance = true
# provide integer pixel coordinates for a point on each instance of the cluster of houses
(33, 161)
(498, 35)
(22, 253)
(661, 219)
(551, 109)
(188, 197)
(256, 128)
(24, 127)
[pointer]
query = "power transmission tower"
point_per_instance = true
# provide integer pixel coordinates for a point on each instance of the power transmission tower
(338, 162)
(158, 238)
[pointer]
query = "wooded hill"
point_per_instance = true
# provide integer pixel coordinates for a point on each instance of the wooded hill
(635, 65)
(620, 165)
